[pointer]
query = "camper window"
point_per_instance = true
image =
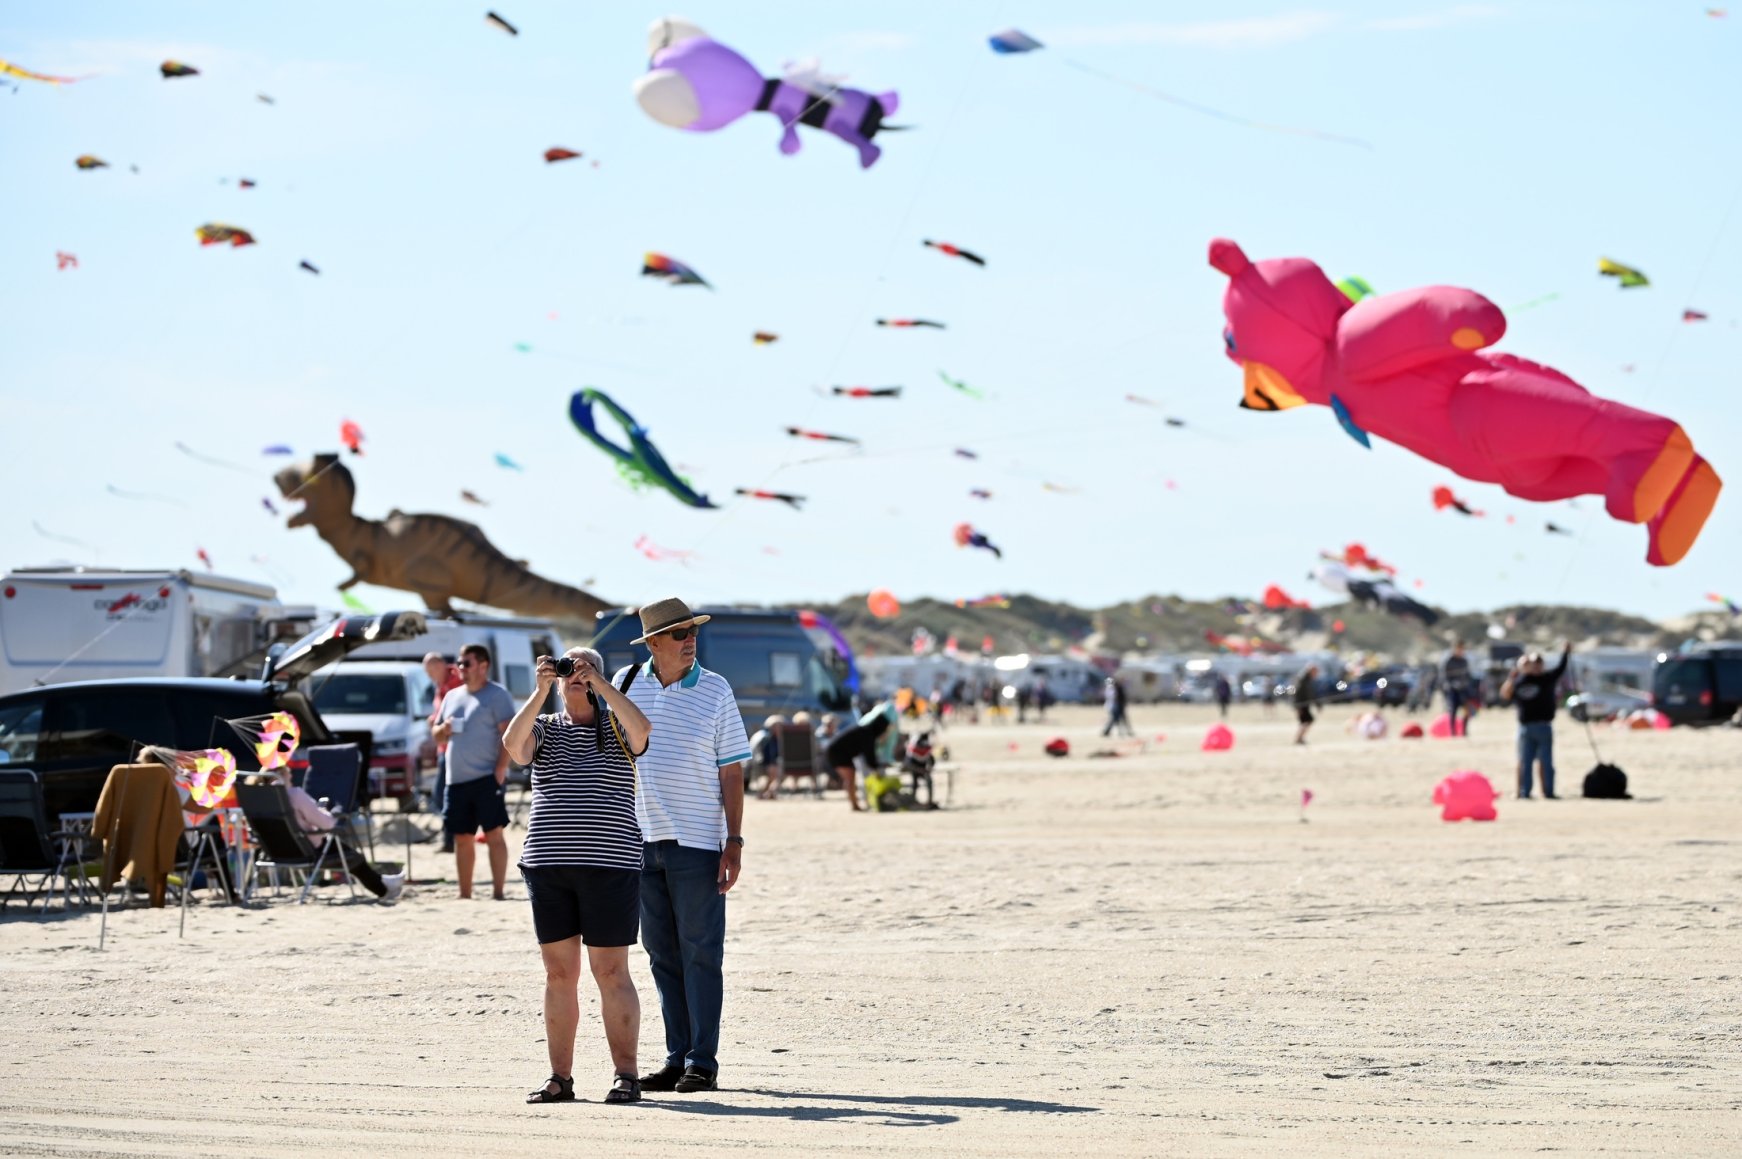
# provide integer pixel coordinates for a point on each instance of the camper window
(20, 725)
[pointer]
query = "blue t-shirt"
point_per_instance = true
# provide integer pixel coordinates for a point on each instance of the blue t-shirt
(476, 744)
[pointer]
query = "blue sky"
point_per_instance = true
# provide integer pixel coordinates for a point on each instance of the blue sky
(1513, 144)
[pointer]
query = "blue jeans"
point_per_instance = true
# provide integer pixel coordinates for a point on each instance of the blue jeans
(1536, 741)
(683, 928)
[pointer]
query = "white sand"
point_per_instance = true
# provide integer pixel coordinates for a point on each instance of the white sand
(1122, 957)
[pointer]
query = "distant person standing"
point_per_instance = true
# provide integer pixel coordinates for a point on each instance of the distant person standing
(1305, 695)
(1113, 699)
(1224, 694)
(445, 676)
(1024, 697)
(1042, 698)
(472, 719)
(690, 803)
(1531, 690)
(1459, 686)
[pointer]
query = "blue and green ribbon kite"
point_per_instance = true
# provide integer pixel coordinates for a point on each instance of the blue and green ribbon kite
(640, 462)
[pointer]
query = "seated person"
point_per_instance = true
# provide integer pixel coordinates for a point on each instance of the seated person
(765, 757)
(317, 823)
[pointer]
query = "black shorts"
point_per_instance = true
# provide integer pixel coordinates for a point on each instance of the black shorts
(473, 805)
(603, 906)
(1304, 714)
(844, 748)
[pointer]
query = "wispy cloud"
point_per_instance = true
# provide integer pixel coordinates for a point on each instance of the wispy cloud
(1249, 32)
(1445, 18)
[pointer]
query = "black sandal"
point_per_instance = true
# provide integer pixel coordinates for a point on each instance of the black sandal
(627, 1089)
(565, 1092)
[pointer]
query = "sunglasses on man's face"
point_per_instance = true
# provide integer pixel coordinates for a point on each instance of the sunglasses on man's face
(463, 664)
(679, 634)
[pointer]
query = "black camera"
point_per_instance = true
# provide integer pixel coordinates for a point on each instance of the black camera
(565, 667)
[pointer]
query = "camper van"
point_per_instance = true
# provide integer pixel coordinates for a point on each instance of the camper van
(767, 658)
(59, 625)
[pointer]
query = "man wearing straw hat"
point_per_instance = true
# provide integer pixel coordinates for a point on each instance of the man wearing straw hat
(689, 800)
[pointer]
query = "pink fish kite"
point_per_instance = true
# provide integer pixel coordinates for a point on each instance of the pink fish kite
(1413, 367)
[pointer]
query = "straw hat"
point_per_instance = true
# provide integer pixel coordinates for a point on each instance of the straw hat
(664, 615)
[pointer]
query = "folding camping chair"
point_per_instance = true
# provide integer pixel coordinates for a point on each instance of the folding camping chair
(203, 848)
(281, 842)
(798, 755)
(335, 778)
(30, 854)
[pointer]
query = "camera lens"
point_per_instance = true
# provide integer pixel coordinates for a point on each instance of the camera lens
(566, 666)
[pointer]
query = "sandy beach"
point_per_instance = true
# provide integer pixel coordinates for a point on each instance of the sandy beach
(1136, 956)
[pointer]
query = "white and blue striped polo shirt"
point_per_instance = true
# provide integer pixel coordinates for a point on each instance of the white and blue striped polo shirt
(696, 731)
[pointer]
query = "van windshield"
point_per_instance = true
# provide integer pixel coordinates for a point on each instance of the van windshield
(380, 694)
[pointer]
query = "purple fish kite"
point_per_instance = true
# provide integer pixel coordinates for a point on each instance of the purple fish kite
(696, 83)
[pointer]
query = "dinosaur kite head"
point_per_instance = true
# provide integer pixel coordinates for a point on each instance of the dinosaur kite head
(323, 484)
(1282, 319)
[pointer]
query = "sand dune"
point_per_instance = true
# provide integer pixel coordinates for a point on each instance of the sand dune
(1122, 957)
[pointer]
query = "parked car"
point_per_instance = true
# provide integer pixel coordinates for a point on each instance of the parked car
(1702, 685)
(392, 701)
(1605, 703)
(73, 734)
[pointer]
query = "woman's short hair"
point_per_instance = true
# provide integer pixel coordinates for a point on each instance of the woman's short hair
(590, 655)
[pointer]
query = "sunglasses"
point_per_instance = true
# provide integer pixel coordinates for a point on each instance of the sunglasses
(464, 664)
(680, 634)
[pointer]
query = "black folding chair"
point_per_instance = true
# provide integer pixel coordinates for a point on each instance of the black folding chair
(335, 778)
(798, 755)
(281, 843)
(32, 855)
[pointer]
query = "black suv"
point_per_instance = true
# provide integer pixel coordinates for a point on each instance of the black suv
(72, 734)
(1702, 685)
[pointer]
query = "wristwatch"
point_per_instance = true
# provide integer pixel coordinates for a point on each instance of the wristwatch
(736, 840)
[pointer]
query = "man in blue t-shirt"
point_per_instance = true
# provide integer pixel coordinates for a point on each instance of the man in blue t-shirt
(471, 721)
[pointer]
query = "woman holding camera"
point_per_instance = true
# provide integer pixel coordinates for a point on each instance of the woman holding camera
(582, 859)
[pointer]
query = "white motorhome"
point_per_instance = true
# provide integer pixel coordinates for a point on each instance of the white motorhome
(61, 624)
(883, 675)
(1071, 681)
(515, 645)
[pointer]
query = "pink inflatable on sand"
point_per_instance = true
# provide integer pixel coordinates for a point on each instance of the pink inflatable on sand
(1219, 737)
(1466, 795)
(1443, 727)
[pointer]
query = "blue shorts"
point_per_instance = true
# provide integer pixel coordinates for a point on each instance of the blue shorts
(474, 805)
(600, 906)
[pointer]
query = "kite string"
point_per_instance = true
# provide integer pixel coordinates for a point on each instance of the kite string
(1207, 111)
(1663, 360)
(850, 329)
